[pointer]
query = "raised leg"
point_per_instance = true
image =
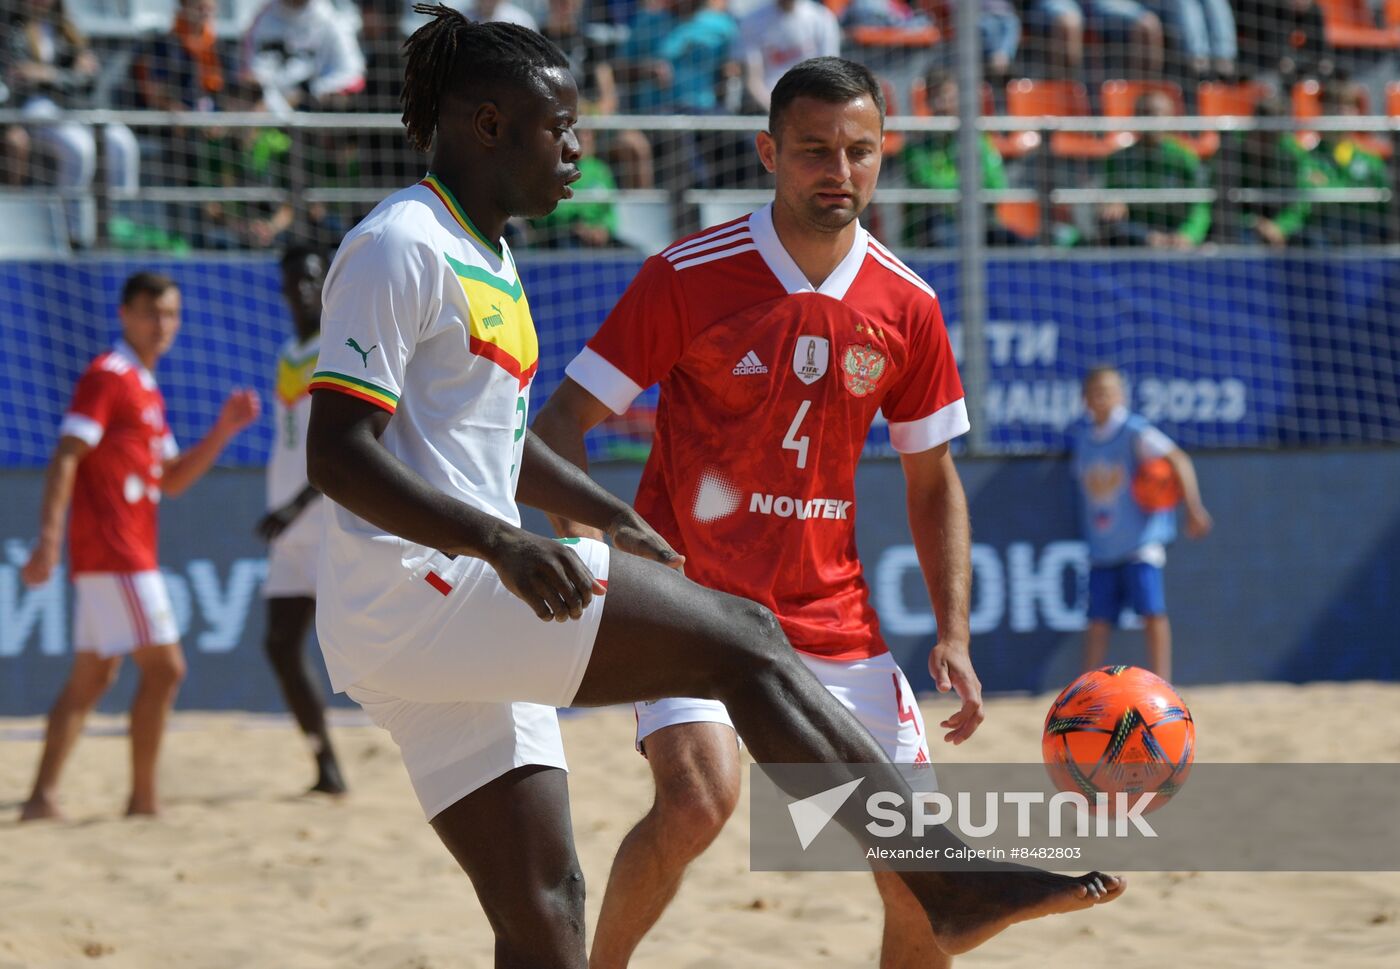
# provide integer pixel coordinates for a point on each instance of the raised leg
(662, 635)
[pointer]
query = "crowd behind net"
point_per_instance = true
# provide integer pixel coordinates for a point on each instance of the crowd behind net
(1199, 191)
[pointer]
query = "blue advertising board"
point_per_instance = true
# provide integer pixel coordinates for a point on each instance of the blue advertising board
(1296, 583)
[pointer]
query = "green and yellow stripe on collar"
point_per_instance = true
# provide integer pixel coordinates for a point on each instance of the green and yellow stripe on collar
(433, 184)
(355, 387)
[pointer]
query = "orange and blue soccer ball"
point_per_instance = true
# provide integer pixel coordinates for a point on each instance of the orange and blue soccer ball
(1119, 729)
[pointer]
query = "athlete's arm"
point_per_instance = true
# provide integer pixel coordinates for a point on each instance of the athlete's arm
(1198, 520)
(53, 512)
(569, 414)
(346, 462)
(566, 492)
(240, 409)
(938, 520)
(277, 521)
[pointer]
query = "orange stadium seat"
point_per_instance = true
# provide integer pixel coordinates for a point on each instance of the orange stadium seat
(1307, 103)
(1009, 144)
(1119, 100)
(1022, 218)
(1392, 99)
(1349, 25)
(1026, 98)
(1215, 99)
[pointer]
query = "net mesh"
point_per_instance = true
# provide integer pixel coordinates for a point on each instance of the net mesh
(1233, 268)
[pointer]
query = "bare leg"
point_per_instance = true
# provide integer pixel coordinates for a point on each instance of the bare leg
(1158, 632)
(908, 941)
(89, 678)
(514, 840)
(696, 768)
(1096, 637)
(1066, 54)
(1147, 45)
(662, 635)
(288, 621)
(162, 669)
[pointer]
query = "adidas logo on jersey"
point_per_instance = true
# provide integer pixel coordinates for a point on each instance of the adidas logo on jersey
(749, 365)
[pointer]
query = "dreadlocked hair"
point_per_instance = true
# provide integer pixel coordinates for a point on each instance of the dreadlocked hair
(452, 52)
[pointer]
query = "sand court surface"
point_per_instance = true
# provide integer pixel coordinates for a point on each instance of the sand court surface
(244, 872)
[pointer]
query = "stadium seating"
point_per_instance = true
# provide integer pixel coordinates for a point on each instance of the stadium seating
(1119, 100)
(1026, 98)
(1215, 99)
(1009, 144)
(1350, 25)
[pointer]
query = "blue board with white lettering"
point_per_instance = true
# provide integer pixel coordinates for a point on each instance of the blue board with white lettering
(1296, 583)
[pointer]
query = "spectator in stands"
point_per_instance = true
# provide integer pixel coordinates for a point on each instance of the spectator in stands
(629, 152)
(1268, 161)
(931, 161)
(1001, 37)
(1118, 22)
(245, 158)
(48, 66)
(1156, 160)
(182, 70)
(304, 55)
(1204, 31)
(1287, 36)
(882, 13)
(581, 225)
(675, 61)
(1350, 162)
(778, 34)
(677, 55)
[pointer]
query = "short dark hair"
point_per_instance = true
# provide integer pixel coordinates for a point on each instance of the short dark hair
(1101, 370)
(150, 284)
(834, 80)
(450, 51)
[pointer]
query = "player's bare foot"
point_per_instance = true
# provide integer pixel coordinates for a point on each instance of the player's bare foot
(143, 808)
(985, 903)
(328, 778)
(40, 808)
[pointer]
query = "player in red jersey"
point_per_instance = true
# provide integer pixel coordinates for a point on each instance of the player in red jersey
(115, 459)
(776, 339)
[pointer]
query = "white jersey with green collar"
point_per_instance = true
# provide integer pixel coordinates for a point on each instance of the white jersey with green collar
(427, 319)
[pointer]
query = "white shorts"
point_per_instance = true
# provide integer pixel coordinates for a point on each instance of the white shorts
(291, 570)
(873, 689)
(114, 613)
(457, 700)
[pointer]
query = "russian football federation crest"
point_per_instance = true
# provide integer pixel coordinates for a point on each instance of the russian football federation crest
(862, 368)
(810, 358)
